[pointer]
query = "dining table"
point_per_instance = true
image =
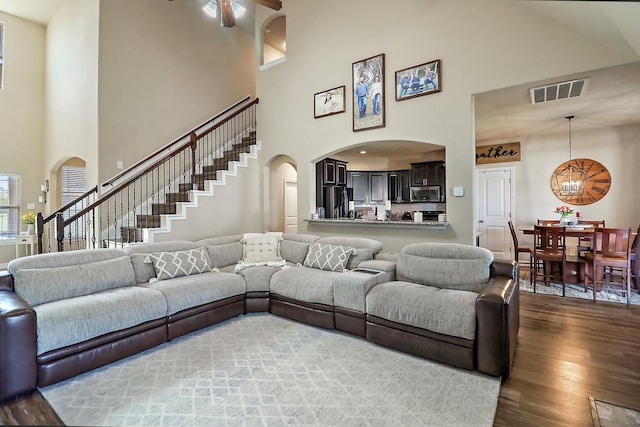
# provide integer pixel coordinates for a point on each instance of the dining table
(575, 268)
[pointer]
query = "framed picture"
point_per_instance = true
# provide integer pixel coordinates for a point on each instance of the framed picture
(329, 102)
(423, 79)
(368, 93)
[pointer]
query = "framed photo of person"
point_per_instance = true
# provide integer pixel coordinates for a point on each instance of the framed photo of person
(329, 102)
(423, 79)
(368, 93)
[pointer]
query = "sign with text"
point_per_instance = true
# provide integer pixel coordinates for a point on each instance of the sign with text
(499, 153)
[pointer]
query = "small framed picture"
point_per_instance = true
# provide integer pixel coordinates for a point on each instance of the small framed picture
(423, 79)
(368, 93)
(329, 102)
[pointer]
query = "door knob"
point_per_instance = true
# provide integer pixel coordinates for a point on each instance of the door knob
(481, 221)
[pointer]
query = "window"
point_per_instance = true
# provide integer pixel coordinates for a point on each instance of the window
(74, 185)
(1, 51)
(9, 206)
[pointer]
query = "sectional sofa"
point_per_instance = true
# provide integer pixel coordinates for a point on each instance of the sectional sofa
(62, 314)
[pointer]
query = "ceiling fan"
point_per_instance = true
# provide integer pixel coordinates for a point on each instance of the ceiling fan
(225, 8)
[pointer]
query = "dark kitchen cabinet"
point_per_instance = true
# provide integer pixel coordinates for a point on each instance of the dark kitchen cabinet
(341, 173)
(368, 187)
(399, 186)
(427, 173)
(329, 172)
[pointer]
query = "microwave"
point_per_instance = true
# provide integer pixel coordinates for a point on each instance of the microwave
(429, 193)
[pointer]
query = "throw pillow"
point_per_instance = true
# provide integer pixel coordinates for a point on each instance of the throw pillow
(328, 257)
(180, 263)
(263, 248)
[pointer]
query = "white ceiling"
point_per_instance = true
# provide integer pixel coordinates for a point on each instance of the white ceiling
(612, 96)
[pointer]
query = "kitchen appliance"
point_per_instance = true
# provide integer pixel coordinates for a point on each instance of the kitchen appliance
(336, 201)
(429, 193)
(431, 215)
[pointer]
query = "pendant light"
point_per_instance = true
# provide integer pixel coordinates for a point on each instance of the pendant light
(570, 178)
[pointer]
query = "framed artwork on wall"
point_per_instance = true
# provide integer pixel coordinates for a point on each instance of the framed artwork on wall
(419, 80)
(368, 93)
(329, 102)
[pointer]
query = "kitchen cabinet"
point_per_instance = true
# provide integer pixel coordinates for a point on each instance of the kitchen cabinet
(329, 172)
(368, 187)
(341, 173)
(427, 173)
(399, 186)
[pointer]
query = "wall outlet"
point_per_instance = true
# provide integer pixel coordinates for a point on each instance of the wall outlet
(31, 205)
(572, 251)
(119, 164)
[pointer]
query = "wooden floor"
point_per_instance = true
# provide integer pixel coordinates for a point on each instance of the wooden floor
(568, 350)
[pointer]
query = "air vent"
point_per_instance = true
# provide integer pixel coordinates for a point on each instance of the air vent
(556, 91)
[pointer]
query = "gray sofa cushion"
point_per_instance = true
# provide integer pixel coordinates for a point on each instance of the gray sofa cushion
(169, 265)
(191, 291)
(257, 278)
(365, 249)
(304, 284)
(328, 257)
(138, 253)
(294, 246)
(222, 240)
(445, 311)
(74, 320)
(445, 265)
(226, 254)
(43, 285)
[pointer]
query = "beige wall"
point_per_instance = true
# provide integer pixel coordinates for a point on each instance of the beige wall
(71, 121)
(483, 46)
(165, 67)
(22, 111)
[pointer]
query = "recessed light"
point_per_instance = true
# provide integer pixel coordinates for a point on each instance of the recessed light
(363, 152)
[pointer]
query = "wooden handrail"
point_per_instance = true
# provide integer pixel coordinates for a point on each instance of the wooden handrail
(68, 205)
(175, 141)
(189, 144)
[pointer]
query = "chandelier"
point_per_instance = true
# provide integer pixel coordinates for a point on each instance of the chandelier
(570, 177)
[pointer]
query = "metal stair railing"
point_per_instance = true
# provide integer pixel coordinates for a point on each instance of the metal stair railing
(137, 198)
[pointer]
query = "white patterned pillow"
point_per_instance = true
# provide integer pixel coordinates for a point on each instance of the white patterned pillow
(262, 248)
(328, 257)
(179, 263)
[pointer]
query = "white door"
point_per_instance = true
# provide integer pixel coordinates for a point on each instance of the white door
(495, 204)
(290, 207)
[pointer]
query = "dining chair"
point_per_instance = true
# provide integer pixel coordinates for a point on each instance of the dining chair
(610, 262)
(551, 254)
(521, 249)
(585, 243)
(635, 264)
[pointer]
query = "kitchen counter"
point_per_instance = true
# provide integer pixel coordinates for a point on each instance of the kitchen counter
(435, 225)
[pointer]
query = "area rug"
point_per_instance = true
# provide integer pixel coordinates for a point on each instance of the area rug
(260, 369)
(577, 291)
(606, 414)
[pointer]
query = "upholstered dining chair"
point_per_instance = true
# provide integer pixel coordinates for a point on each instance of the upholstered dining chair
(550, 252)
(521, 249)
(612, 256)
(585, 243)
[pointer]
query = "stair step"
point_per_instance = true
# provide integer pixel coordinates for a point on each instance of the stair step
(163, 208)
(211, 170)
(148, 221)
(130, 235)
(172, 198)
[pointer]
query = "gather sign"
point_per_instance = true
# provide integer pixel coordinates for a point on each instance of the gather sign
(509, 152)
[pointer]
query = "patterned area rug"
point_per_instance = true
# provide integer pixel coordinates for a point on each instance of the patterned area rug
(611, 294)
(261, 369)
(606, 414)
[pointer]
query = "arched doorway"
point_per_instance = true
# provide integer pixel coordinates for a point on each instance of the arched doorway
(283, 191)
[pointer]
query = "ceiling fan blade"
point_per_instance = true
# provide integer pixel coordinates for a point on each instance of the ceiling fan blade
(226, 13)
(271, 4)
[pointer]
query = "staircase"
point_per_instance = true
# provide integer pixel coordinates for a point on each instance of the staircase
(142, 200)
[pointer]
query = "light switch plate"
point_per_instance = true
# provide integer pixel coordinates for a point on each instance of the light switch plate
(458, 191)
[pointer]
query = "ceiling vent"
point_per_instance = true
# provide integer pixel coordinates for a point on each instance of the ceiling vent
(556, 91)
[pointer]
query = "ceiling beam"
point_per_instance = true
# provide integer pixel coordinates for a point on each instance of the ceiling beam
(271, 4)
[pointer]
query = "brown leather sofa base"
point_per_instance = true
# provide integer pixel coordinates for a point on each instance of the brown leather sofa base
(441, 348)
(67, 362)
(204, 315)
(353, 322)
(256, 301)
(306, 312)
